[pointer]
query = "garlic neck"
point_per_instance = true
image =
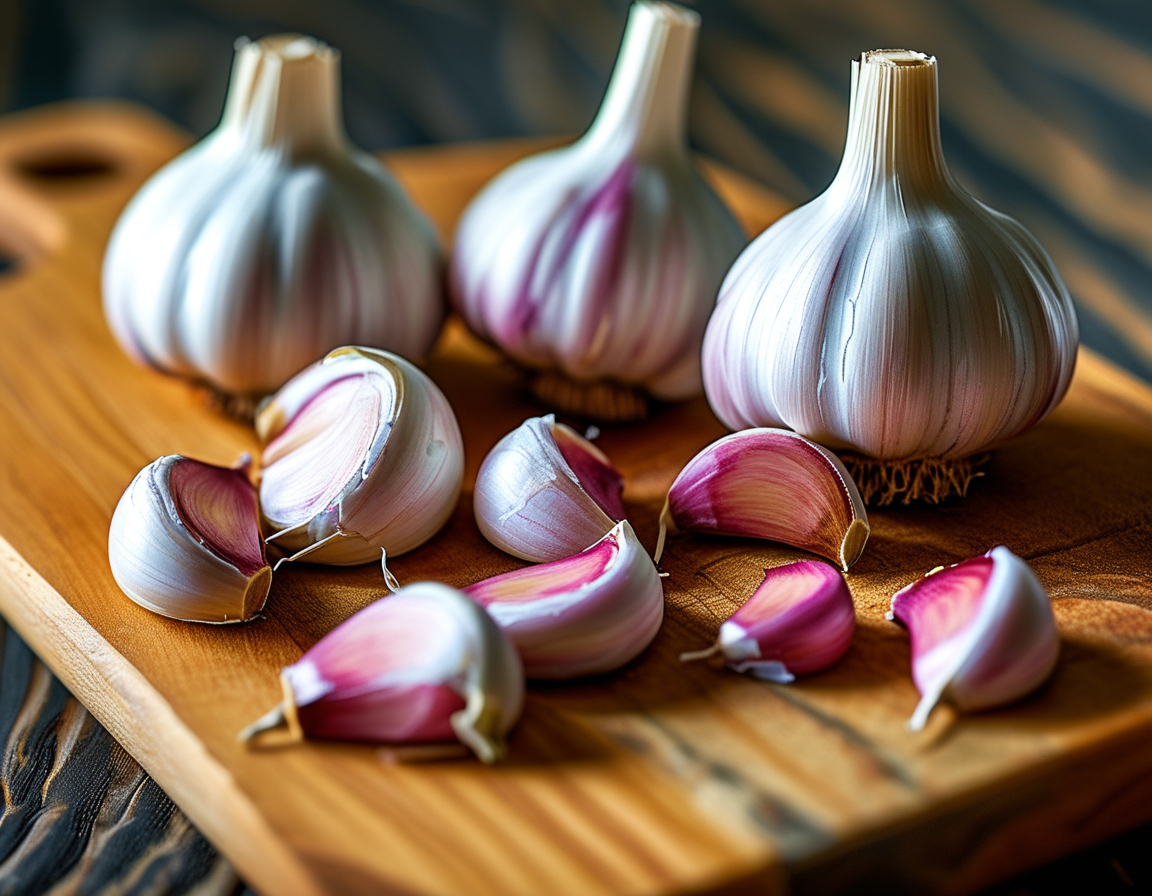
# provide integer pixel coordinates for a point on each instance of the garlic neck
(894, 124)
(285, 94)
(646, 104)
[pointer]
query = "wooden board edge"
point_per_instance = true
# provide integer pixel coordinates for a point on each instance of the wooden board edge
(143, 722)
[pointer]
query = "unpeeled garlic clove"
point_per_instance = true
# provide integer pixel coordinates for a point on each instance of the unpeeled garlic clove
(423, 665)
(185, 542)
(545, 492)
(361, 452)
(772, 484)
(800, 620)
(582, 615)
(983, 633)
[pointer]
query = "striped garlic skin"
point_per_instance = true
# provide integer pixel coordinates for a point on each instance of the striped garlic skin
(273, 240)
(894, 314)
(603, 259)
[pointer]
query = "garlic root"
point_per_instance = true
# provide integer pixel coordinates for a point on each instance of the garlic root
(607, 401)
(932, 480)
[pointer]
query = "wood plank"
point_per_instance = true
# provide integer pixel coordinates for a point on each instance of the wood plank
(659, 778)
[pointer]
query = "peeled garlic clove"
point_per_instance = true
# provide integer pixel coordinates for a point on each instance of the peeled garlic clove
(983, 633)
(361, 453)
(423, 665)
(598, 264)
(273, 240)
(582, 615)
(800, 620)
(772, 484)
(185, 542)
(545, 492)
(894, 316)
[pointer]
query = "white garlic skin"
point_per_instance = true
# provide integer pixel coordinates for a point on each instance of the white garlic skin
(397, 489)
(894, 314)
(273, 240)
(603, 259)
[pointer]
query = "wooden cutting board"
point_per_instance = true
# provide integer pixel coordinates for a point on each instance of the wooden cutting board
(660, 778)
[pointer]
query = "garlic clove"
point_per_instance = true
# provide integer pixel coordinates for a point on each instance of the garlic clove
(894, 316)
(545, 493)
(185, 542)
(582, 615)
(597, 265)
(983, 633)
(362, 452)
(798, 621)
(772, 484)
(423, 665)
(273, 240)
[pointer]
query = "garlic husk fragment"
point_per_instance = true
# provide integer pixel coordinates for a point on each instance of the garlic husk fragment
(545, 492)
(894, 316)
(582, 615)
(185, 542)
(771, 484)
(598, 264)
(273, 240)
(423, 665)
(983, 633)
(362, 452)
(800, 620)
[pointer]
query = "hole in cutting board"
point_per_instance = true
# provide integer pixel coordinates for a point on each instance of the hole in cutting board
(64, 167)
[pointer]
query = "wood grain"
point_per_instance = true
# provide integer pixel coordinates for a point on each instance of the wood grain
(660, 778)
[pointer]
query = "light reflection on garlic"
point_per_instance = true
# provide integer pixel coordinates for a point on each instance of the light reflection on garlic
(185, 542)
(598, 264)
(894, 316)
(545, 492)
(273, 240)
(771, 484)
(582, 615)
(798, 621)
(362, 452)
(983, 633)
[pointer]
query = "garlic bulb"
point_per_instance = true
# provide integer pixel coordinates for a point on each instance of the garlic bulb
(597, 265)
(582, 615)
(894, 316)
(273, 240)
(983, 633)
(771, 484)
(361, 452)
(545, 492)
(424, 665)
(185, 542)
(800, 620)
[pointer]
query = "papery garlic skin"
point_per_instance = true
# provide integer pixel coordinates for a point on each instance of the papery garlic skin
(582, 615)
(799, 620)
(894, 315)
(362, 452)
(773, 484)
(983, 633)
(530, 502)
(185, 542)
(273, 240)
(600, 262)
(423, 665)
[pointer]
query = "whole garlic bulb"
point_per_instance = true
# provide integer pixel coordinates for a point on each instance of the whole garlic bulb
(273, 240)
(894, 315)
(598, 264)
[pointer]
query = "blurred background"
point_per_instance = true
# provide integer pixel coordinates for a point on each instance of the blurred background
(1047, 104)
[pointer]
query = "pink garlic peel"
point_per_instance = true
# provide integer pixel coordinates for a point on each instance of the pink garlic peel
(361, 452)
(583, 615)
(771, 484)
(799, 620)
(544, 492)
(421, 666)
(983, 633)
(185, 542)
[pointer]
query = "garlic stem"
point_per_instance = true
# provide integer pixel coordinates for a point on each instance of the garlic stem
(648, 93)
